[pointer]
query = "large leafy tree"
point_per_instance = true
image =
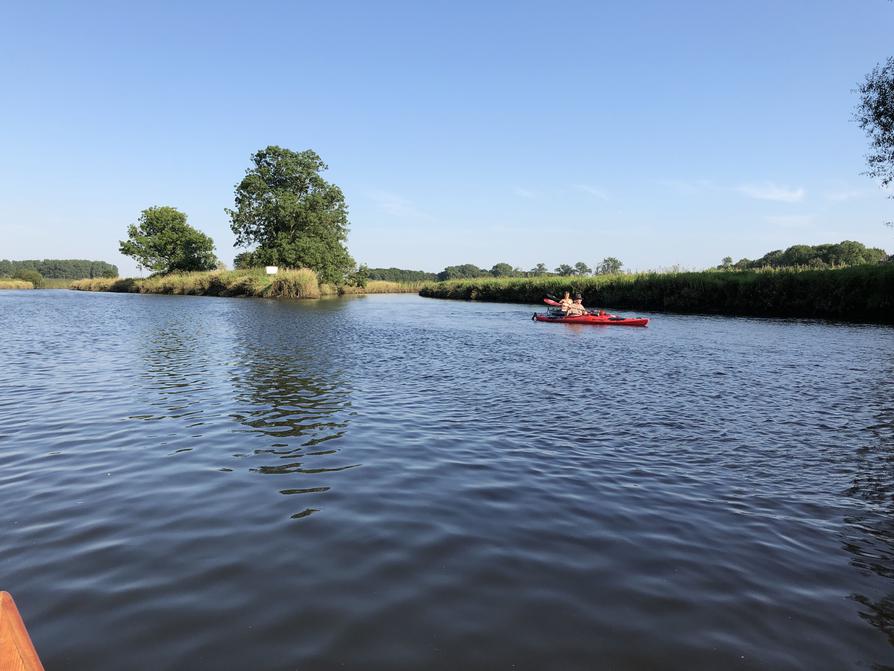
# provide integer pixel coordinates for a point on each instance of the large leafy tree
(463, 271)
(875, 114)
(609, 266)
(294, 216)
(502, 270)
(162, 241)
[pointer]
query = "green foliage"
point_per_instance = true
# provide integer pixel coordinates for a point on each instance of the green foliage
(582, 269)
(502, 270)
(398, 275)
(359, 277)
(72, 269)
(844, 254)
(539, 269)
(458, 272)
(295, 217)
(565, 270)
(875, 114)
(163, 242)
(27, 275)
(610, 266)
(861, 293)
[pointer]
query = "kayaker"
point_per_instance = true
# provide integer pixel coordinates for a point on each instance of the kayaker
(566, 302)
(577, 307)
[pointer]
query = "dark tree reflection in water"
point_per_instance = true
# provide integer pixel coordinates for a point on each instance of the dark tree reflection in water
(291, 388)
(870, 532)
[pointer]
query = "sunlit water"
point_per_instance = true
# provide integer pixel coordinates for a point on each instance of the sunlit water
(390, 482)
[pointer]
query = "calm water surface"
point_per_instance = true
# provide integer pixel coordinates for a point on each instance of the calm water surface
(390, 482)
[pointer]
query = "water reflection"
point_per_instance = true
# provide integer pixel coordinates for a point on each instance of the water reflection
(282, 390)
(870, 532)
(205, 381)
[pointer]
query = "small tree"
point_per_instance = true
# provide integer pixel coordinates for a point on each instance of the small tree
(609, 266)
(539, 269)
(163, 242)
(565, 270)
(502, 270)
(726, 263)
(28, 275)
(581, 268)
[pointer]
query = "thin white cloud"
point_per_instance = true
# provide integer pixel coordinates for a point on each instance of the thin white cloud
(395, 205)
(524, 193)
(791, 220)
(594, 191)
(774, 192)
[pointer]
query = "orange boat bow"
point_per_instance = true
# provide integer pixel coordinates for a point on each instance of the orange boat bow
(17, 653)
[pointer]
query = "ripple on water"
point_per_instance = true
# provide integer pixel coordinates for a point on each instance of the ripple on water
(391, 482)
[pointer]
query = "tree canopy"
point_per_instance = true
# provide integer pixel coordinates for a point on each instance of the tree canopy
(875, 114)
(293, 216)
(609, 266)
(68, 269)
(845, 253)
(399, 275)
(464, 271)
(162, 241)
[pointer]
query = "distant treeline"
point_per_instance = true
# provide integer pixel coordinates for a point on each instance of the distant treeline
(843, 254)
(398, 275)
(859, 293)
(69, 269)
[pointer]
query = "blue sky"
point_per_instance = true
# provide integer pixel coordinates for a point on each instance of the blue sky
(660, 133)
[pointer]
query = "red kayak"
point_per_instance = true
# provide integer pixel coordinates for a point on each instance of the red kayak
(604, 318)
(607, 320)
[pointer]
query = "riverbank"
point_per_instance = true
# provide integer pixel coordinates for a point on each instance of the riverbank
(15, 284)
(300, 283)
(860, 293)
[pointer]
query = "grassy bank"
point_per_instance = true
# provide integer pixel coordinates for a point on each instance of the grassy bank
(861, 293)
(15, 284)
(301, 283)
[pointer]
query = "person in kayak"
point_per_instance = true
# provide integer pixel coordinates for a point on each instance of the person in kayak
(577, 307)
(566, 302)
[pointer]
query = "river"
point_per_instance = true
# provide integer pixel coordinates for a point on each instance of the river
(391, 482)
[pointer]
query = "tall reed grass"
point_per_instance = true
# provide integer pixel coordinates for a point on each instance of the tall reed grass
(15, 284)
(299, 283)
(859, 293)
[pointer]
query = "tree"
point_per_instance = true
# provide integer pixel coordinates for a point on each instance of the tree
(875, 115)
(28, 275)
(539, 269)
(609, 266)
(294, 216)
(581, 268)
(502, 270)
(565, 270)
(70, 269)
(399, 275)
(162, 241)
(726, 263)
(467, 270)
